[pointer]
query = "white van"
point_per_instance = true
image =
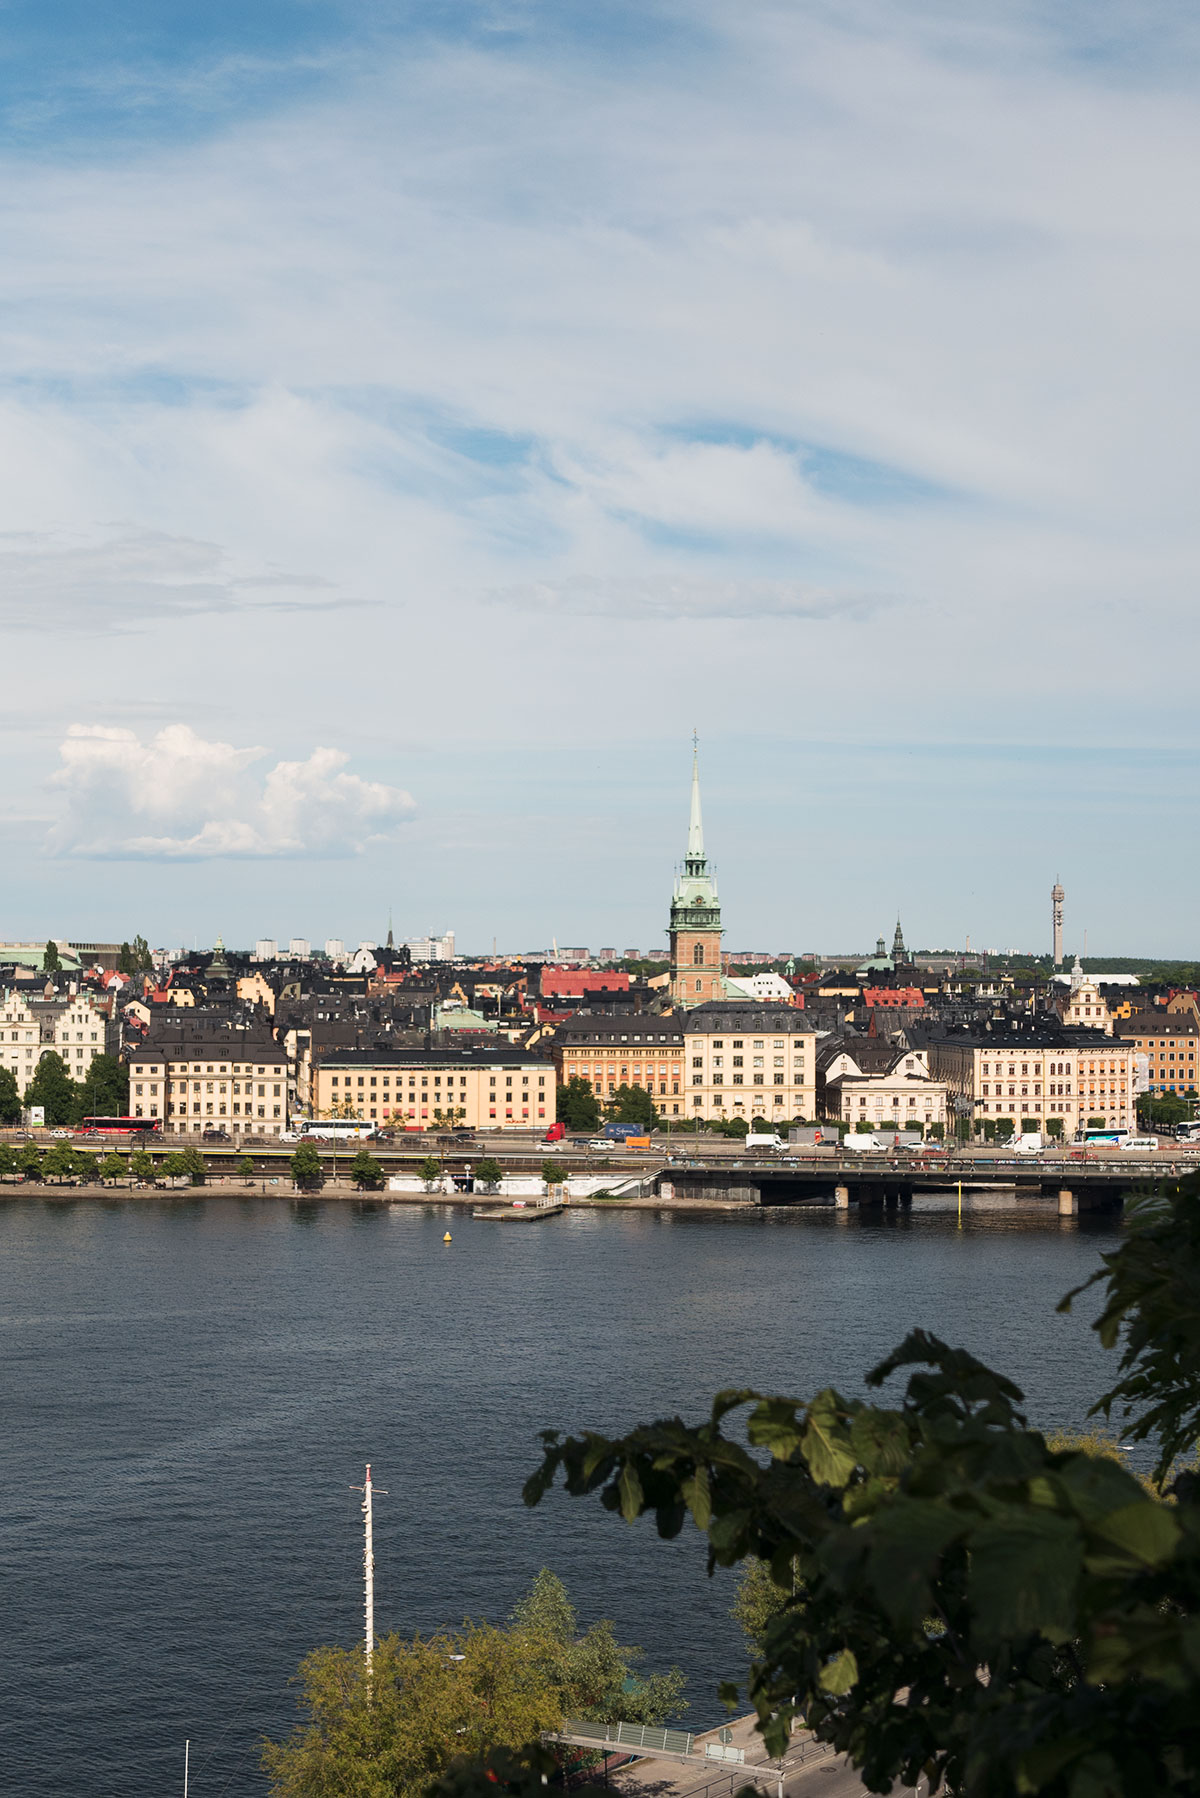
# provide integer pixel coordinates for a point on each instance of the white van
(762, 1141)
(1144, 1143)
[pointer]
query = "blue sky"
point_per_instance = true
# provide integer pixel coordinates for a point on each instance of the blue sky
(415, 420)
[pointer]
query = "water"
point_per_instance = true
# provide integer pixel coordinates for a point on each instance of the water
(190, 1388)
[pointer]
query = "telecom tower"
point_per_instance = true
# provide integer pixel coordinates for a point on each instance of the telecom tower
(1056, 904)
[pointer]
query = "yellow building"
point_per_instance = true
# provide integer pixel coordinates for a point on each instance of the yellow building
(1047, 1081)
(475, 1088)
(644, 1050)
(20, 1040)
(749, 1060)
(1169, 1041)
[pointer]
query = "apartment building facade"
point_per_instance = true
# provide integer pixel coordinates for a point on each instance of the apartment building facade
(1169, 1042)
(228, 1081)
(645, 1050)
(476, 1087)
(78, 1028)
(749, 1060)
(1051, 1080)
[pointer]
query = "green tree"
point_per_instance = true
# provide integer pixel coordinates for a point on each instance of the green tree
(104, 1090)
(8, 1160)
(632, 1105)
(430, 1171)
(114, 1166)
(366, 1171)
(87, 1167)
(51, 963)
(757, 1602)
(53, 1087)
(125, 959)
(594, 1675)
(553, 1172)
(141, 1165)
(306, 1165)
(194, 1165)
(1036, 1606)
(10, 1097)
(425, 1703)
(59, 1162)
(29, 1161)
(489, 1172)
(577, 1106)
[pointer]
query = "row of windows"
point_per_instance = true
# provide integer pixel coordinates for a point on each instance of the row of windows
(385, 1079)
(740, 1080)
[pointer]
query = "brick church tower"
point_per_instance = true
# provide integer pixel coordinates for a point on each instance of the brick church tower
(695, 918)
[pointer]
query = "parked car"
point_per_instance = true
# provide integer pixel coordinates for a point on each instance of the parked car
(215, 1136)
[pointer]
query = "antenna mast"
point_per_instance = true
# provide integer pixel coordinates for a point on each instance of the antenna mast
(368, 1567)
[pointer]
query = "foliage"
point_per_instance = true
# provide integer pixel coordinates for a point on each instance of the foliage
(1096, 1123)
(593, 1674)
(135, 958)
(113, 1167)
(422, 1707)
(141, 1165)
(1004, 1129)
(757, 1602)
(8, 1159)
(430, 1171)
(10, 1097)
(59, 1162)
(51, 960)
(306, 1165)
(1054, 1126)
(975, 1605)
(553, 1172)
(632, 1105)
(104, 1090)
(29, 1161)
(489, 1172)
(53, 1087)
(863, 1127)
(366, 1171)
(577, 1106)
(1163, 1111)
(173, 1166)
(194, 1165)
(87, 1167)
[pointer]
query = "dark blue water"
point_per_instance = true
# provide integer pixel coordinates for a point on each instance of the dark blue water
(189, 1390)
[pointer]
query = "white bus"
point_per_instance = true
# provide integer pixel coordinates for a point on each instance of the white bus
(336, 1129)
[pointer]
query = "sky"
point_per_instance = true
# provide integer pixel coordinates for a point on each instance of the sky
(416, 420)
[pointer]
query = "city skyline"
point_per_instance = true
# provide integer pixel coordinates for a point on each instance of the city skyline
(811, 380)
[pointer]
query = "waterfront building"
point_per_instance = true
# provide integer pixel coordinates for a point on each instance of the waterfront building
(1046, 1075)
(865, 1081)
(20, 1040)
(1083, 1006)
(1169, 1041)
(76, 1026)
(225, 1080)
(748, 1060)
(609, 1051)
(695, 929)
(476, 1086)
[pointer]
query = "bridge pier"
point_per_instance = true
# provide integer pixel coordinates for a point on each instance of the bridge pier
(1068, 1204)
(841, 1197)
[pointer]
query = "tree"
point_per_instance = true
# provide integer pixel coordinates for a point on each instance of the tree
(114, 1167)
(87, 1168)
(51, 963)
(1054, 1126)
(141, 1165)
(632, 1105)
(124, 959)
(553, 1172)
(365, 1170)
(135, 957)
(425, 1702)
(29, 1161)
(577, 1105)
(429, 1171)
(8, 1160)
(10, 1097)
(59, 1162)
(489, 1172)
(194, 1165)
(53, 1088)
(594, 1675)
(756, 1603)
(962, 1600)
(306, 1165)
(104, 1090)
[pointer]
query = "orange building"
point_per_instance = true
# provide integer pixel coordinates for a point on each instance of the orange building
(695, 931)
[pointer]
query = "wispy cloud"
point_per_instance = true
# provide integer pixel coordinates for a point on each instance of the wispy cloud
(180, 797)
(684, 596)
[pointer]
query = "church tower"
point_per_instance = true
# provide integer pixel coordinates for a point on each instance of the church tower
(695, 917)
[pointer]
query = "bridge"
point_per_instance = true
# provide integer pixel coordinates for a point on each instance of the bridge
(1072, 1180)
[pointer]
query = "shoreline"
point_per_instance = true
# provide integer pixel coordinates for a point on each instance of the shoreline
(341, 1192)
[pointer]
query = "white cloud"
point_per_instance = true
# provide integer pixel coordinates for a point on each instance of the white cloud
(687, 596)
(179, 797)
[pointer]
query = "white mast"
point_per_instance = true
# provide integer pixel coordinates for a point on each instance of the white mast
(368, 1568)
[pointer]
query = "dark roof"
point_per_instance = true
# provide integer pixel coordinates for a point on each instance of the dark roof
(225, 1045)
(1157, 1023)
(639, 1027)
(473, 1054)
(754, 1015)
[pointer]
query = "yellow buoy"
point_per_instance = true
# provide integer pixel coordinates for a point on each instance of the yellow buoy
(447, 1237)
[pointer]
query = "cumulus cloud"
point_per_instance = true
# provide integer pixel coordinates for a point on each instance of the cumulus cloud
(684, 596)
(121, 579)
(180, 797)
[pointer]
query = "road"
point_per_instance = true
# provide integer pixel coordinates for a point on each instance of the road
(809, 1771)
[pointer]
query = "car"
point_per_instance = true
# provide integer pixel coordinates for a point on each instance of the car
(599, 1142)
(553, 1148)
(215, 1136)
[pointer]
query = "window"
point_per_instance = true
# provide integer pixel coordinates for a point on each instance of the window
(698, 955)
(697, 1061)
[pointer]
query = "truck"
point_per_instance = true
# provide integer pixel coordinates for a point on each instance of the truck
(859, 1143)
(555, 1133)
(767, 1140)
(618, 1132)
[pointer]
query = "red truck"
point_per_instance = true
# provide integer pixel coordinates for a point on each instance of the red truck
(555, 1133)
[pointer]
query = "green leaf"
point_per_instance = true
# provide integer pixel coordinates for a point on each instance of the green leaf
(839, 1674)
(1145, 1530)
(773, 1424)
(1024, 1571)
(825, 1444)
(629, 1487)
(697, 1497)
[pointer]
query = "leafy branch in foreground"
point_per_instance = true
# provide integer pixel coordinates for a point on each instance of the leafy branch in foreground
(958, 1599)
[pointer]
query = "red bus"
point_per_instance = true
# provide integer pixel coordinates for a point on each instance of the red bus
(121, 1127)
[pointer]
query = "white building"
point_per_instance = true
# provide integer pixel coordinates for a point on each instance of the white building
(431, 948)
(335, 949)
(266, 949)
(770, 988)
(299, 948)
